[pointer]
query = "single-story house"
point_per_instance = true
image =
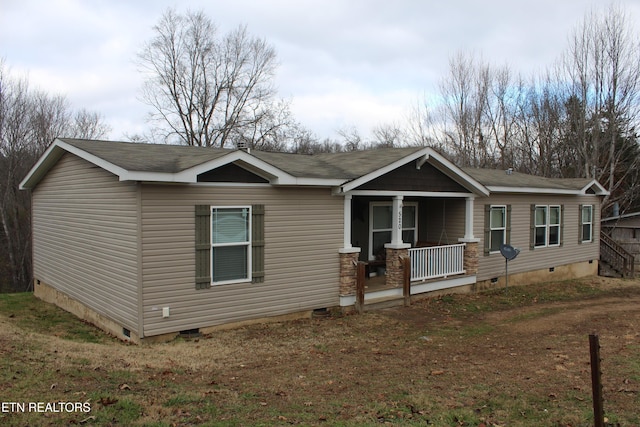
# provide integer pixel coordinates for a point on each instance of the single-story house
(147, 241)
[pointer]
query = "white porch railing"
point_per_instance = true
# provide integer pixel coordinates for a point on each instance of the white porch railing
(436, 261)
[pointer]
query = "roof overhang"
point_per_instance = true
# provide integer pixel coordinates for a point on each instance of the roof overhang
(421, 157)
(243, 159)
(594, 186)
(620, 217)
(51, 156)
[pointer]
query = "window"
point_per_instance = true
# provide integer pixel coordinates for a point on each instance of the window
(381, 224)
(547, 226)
(230, 244)
(498, 227)
(586, 223)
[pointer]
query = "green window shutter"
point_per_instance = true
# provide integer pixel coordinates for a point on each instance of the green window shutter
(580, 231)
(561, 225)
(487, 229)
(508, 224)
(203, 246)
(532, 237)
(257, 243)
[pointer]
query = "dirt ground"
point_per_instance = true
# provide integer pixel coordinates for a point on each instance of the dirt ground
(494, 359)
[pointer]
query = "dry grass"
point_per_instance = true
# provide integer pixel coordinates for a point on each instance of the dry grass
(519, 359)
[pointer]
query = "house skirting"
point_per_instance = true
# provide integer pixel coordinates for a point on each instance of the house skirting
(560, 272)
(51, 295)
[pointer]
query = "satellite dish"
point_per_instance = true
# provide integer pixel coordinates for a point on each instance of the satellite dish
(509, 252)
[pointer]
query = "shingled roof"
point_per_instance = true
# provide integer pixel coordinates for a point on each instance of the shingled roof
(515, 180)
(176, 163)
(177, 158)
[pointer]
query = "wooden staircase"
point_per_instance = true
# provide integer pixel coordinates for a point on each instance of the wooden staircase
(615, 257)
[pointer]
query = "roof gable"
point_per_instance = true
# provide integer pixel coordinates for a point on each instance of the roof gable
(417, 159)
(409, 178)
(231, 172)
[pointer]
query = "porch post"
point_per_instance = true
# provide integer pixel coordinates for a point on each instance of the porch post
(348, 255)
(471, 243)
(468, 223)
(347, 221)
(396, 250)
(396, 231)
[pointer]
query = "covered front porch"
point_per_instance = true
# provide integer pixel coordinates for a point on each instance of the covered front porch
(432, 232)
(410, 221)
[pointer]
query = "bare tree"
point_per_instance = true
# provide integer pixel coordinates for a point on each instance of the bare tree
(88, 125)
(15, 151)
(602, 64)
(502, 103)
(464, 93)
(206, 89)
(352, 139)
(422, 127)
(388, 135)
(29, 121)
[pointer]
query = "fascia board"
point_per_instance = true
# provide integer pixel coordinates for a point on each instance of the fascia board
(600, 190)
(386, 169)
(53, 154)
(423, 156)
(274, 174)
(457, 174)
(533, 190)
(391, 193)
(318, 182)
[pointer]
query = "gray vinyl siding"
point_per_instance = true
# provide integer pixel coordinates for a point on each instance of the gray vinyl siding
(442, 220)
(303, 233)
(569, 252)
(85, 238)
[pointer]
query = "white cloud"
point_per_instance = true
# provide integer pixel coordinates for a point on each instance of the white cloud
(357, 62)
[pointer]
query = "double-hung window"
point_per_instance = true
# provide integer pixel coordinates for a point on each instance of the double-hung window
(381, 224)
(230, 244)
(547, 220)
(586, 223)
(498, 227)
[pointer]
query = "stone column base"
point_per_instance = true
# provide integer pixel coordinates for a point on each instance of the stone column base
(349, 271)
(471, 258)
(395, 275)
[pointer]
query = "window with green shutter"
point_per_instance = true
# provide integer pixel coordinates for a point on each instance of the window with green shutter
(497, 227)
(203, 246)
(229, 245)
(257, 243)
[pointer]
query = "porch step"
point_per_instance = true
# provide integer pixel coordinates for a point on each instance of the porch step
(380, 303)
(606, 270)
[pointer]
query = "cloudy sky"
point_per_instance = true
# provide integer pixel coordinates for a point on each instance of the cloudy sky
(342, 62)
